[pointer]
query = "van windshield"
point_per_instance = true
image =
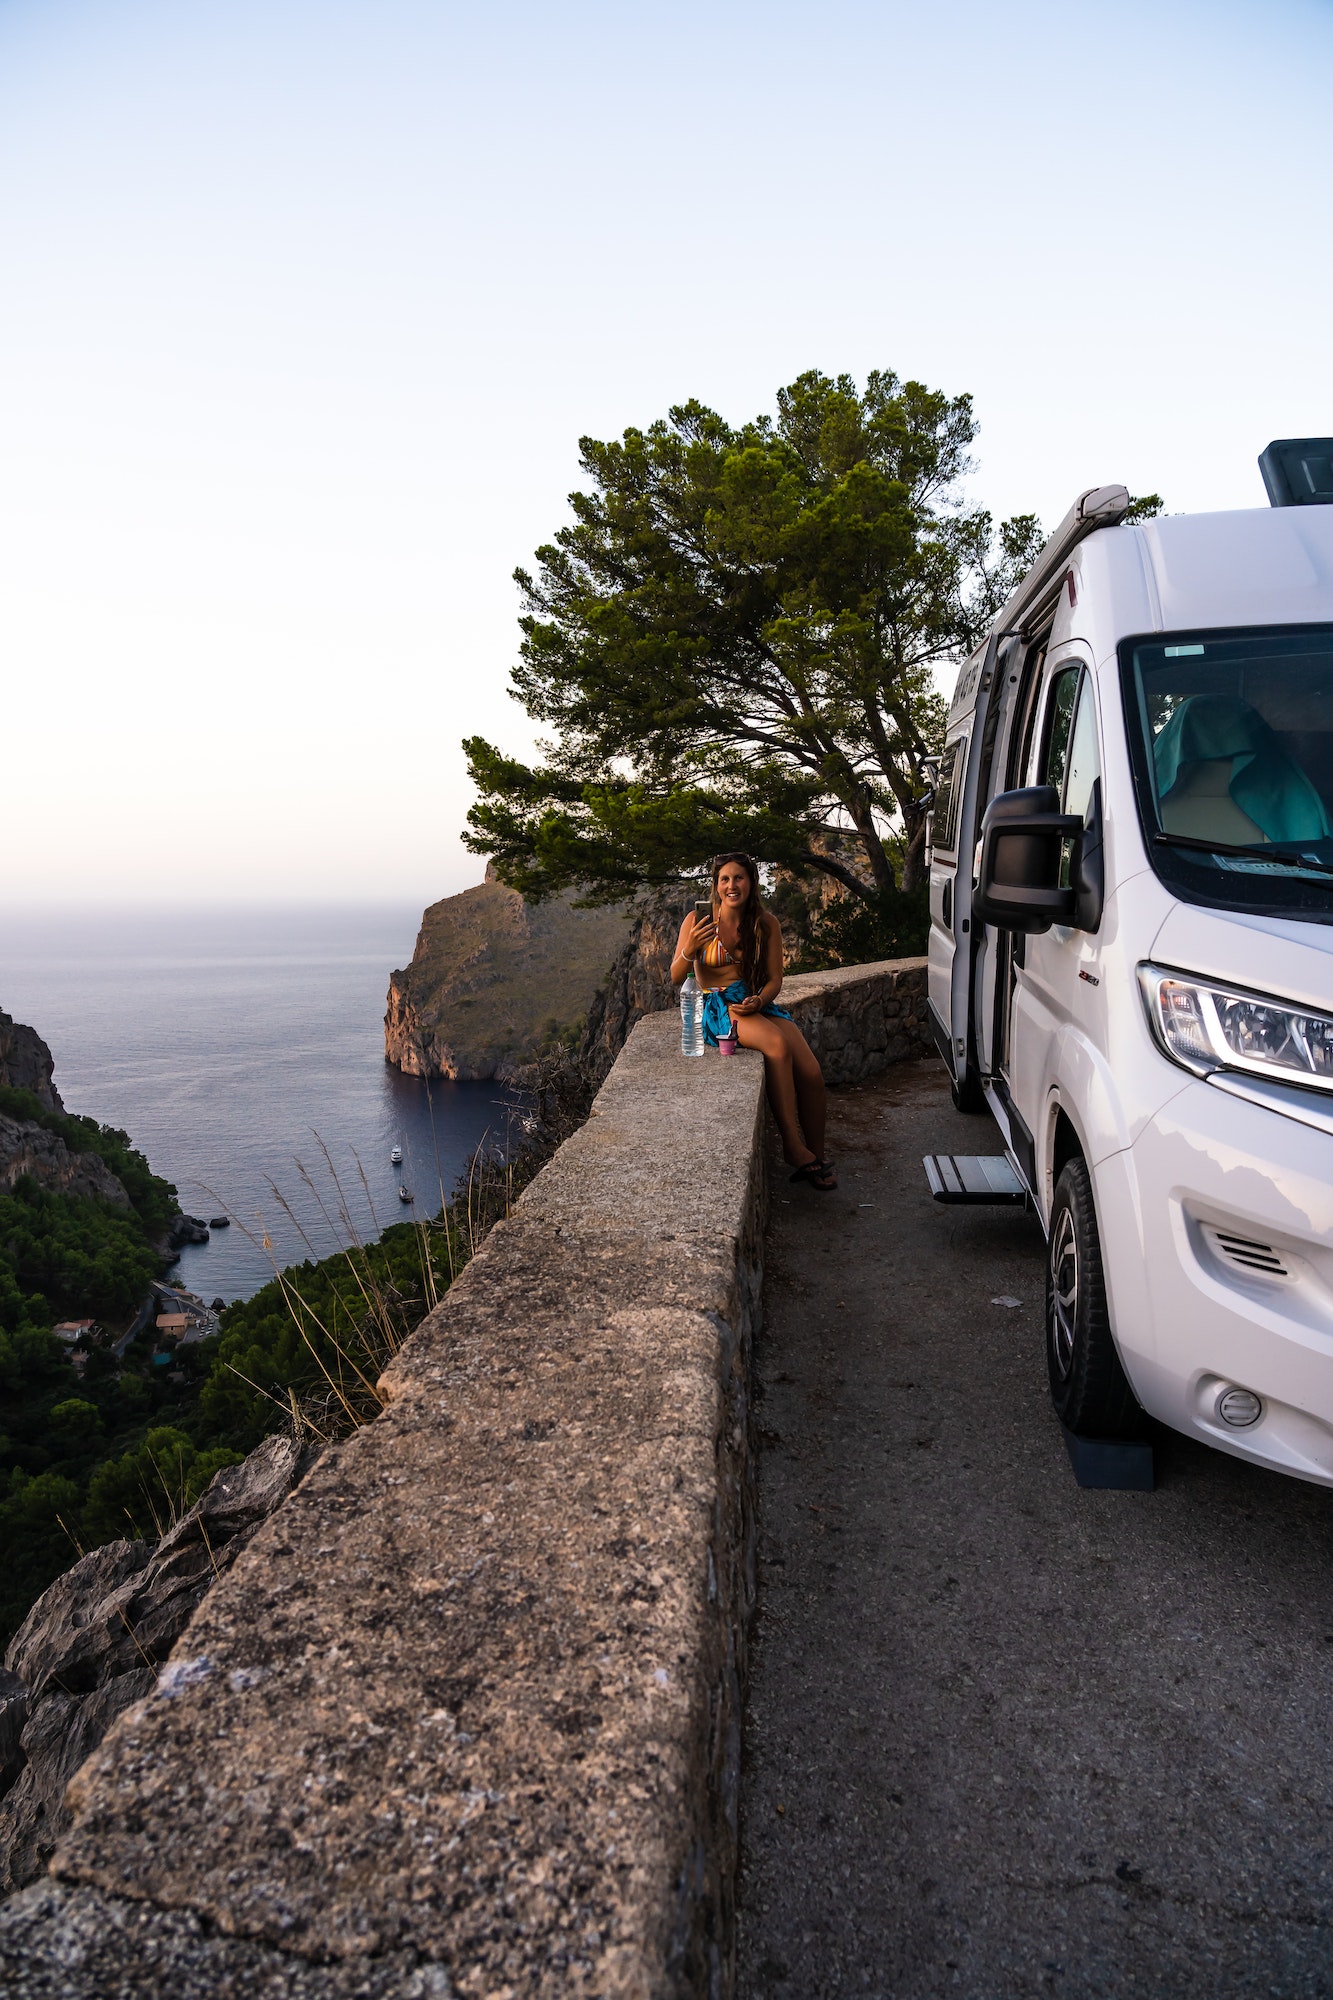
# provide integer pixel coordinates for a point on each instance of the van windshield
(1231, 736)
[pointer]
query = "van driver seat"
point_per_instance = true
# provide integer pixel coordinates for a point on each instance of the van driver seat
(1223, 775)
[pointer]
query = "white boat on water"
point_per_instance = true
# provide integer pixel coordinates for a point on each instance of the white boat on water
(396, 1157)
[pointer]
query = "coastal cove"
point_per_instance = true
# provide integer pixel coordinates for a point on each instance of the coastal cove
(223, 1041)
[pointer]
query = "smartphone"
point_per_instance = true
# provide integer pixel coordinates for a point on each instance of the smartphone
(703, 910)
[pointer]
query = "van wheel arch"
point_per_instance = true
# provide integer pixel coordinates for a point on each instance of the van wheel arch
(1065, 1145)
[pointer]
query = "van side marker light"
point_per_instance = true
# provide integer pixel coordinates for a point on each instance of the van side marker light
(1110, 1464)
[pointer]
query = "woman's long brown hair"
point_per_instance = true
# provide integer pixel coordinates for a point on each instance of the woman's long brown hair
(751, 911)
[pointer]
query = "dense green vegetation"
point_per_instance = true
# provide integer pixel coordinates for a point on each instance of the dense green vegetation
(85, 1457)
(322, 1332)
(121, 1448)
(852, 930)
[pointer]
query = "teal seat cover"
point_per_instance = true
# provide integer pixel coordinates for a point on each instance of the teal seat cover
(1266, 783)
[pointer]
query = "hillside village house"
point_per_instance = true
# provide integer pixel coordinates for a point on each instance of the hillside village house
(71, 1331)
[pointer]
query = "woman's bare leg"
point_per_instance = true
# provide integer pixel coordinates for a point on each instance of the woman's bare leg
(762, 1032)
(808, 1079)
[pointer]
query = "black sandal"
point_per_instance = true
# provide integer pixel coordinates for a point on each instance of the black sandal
(819, 1173)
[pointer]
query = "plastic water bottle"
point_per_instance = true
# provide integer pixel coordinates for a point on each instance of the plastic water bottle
(691, 1018)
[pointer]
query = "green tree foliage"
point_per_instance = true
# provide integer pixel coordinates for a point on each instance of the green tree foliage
(62, 1256)
(734, 643)
(852, 930)
(324, 1331)
(39, 1517)
(143, 1491)
(80, 1257)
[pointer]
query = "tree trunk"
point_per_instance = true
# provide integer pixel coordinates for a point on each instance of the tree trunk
(880, 865)
(827, 865)
(914, 858)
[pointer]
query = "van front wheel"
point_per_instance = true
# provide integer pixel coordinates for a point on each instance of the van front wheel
(1089, 1388)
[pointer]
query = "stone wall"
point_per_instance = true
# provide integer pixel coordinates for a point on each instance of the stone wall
(463, 1718)
(861, 1018)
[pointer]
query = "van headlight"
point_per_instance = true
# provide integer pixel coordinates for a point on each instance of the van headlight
(1205, 1027)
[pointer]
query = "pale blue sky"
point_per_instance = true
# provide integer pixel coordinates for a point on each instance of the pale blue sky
(304, 307)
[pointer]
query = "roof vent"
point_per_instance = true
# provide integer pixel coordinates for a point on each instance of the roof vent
(1298, 472)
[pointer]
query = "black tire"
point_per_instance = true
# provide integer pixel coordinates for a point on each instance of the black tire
(1089, 1387)
(968, 1095)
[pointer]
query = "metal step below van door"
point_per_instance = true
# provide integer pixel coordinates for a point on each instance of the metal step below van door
(972, 1178)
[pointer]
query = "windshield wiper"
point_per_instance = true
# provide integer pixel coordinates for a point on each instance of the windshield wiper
(1266, 851)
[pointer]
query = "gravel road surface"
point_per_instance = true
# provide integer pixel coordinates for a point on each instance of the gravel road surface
(1007, 1737)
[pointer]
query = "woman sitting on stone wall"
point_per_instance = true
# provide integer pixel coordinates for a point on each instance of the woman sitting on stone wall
(736, 956)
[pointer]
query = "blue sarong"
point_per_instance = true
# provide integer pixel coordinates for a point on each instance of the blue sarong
(717, 1021)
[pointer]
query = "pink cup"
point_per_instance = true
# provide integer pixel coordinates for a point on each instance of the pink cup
(727, 1045)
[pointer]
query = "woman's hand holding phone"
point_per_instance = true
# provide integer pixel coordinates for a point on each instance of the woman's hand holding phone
(701, 932)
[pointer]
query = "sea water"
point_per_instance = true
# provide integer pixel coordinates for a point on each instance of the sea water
(229, 1044)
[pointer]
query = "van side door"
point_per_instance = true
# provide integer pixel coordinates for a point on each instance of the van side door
(1046, 998)
(949, 925)
(1005, 738)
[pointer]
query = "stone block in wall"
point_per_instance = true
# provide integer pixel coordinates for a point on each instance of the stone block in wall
(860, 1018)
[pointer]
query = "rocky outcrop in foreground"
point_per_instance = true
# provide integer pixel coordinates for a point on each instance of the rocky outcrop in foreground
(94, 1641)
(26, 1062)
(492, 978)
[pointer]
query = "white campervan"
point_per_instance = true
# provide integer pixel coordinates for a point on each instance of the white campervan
(1131, 957)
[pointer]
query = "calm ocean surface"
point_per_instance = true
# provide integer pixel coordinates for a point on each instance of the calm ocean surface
(223, 1042)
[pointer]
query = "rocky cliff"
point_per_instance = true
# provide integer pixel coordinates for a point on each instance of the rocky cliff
(31, 1149)
(493, 977)
(638, 983)
(26, 1148)
(26, 1062)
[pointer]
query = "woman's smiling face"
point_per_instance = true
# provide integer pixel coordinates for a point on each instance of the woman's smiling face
(733, 885)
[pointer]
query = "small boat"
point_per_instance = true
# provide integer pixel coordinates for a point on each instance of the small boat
(405, 1195)
(396, 1157)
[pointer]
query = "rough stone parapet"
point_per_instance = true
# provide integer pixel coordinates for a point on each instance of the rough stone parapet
(464, 1717)
(468, 1708)
(860, 1018)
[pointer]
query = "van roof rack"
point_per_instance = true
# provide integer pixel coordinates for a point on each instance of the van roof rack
(1098, 507)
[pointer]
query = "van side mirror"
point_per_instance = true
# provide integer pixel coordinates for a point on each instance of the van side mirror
(1018, 880)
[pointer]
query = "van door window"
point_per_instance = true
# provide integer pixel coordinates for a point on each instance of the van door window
(1083, 763)
(1059, 717)
(944, 812)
